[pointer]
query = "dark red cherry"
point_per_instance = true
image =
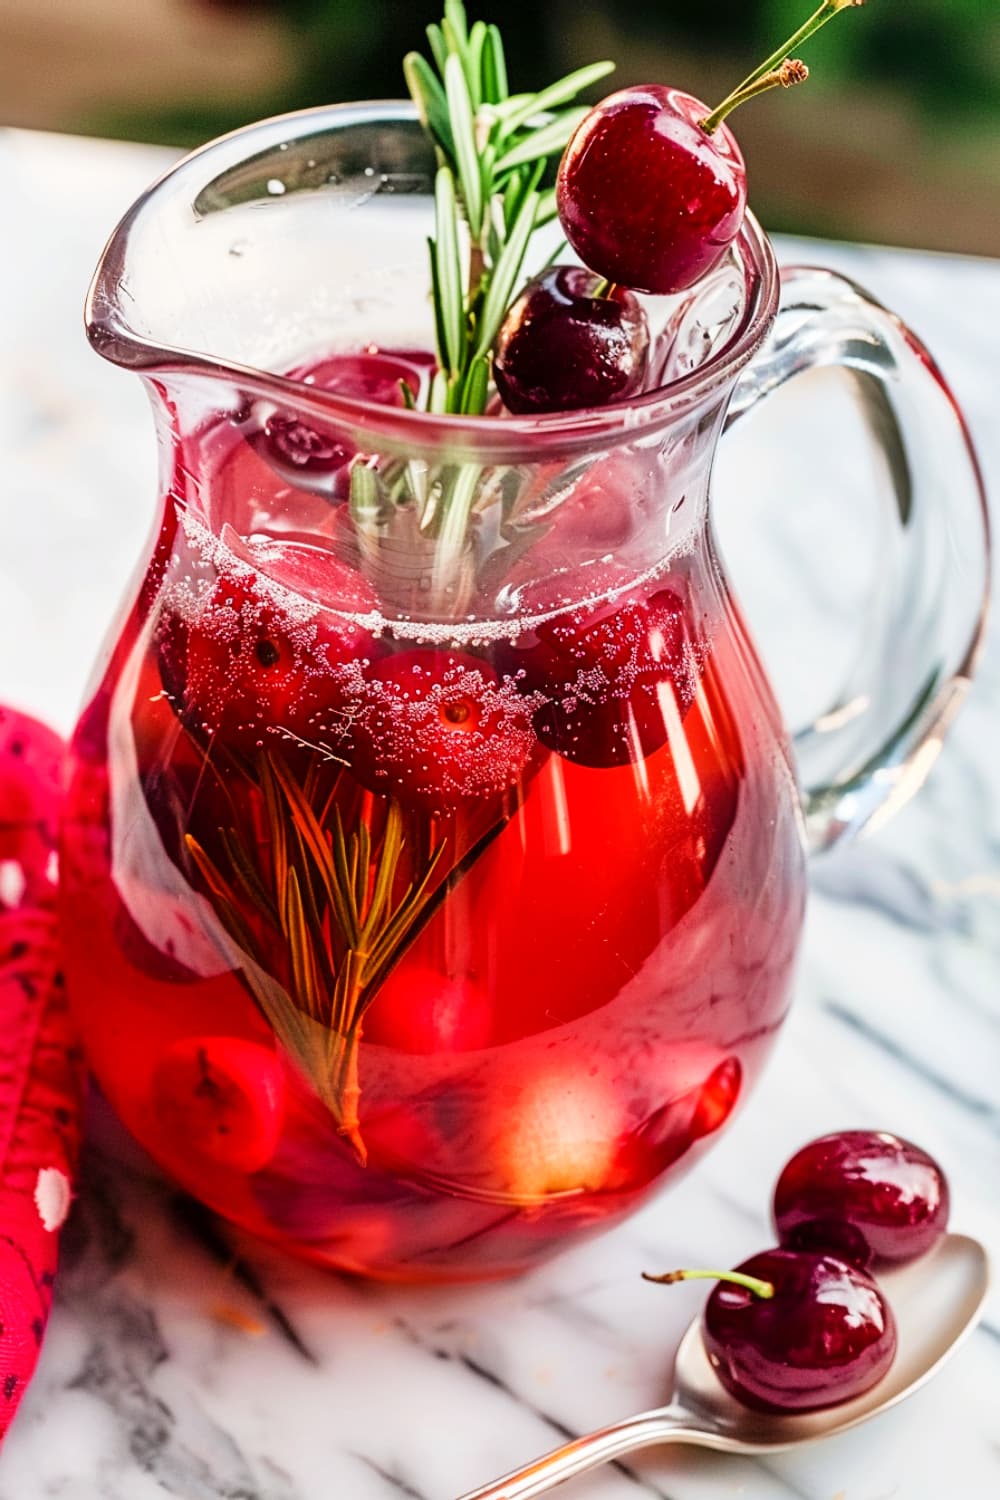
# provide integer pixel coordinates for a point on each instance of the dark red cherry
(300, 447)
(807, 1331)
(688, 1117)
(825, 1336)
(717, 1098)
(435, 727)
(647, 198)
(564, 345)
(253, 662)
(306, 447)
(612, 674)
(864, 1188)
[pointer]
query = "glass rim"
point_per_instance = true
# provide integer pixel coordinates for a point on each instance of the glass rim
(488, 438)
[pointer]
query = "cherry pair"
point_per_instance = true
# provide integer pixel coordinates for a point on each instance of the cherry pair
(805, 1325)
(651, 193)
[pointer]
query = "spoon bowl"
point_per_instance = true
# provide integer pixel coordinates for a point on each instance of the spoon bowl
(937, 1302)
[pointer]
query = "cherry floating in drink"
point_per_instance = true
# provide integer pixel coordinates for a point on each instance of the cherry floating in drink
(610, 675)
(220, 1098)
(434, 728)
(303, 450)
(240, 658)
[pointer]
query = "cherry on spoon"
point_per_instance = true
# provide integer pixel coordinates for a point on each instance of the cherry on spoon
(937, 1301)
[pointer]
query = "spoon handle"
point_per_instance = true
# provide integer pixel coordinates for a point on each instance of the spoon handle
(668, 1424)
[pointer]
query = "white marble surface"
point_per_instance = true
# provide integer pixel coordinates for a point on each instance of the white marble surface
(184, 1362)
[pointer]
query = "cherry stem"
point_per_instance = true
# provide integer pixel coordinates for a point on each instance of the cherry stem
(818, 19)
(764, 1289)
(791, 72)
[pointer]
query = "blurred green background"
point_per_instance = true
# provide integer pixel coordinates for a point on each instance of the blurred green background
(895, 139)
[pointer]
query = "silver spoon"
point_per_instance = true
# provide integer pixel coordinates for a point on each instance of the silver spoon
(937, 1302)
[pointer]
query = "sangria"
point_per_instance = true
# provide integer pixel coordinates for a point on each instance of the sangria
(416, 946)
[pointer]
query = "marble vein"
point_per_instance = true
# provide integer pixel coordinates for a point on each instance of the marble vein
(893, 1048)
(205, 1229)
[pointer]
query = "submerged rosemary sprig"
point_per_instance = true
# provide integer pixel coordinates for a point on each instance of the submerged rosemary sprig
(322, 890)
(342, 906)
(494, 151)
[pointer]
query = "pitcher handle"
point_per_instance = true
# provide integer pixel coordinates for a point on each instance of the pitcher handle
(863, 758)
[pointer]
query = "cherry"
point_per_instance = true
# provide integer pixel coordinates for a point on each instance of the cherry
(221, 1098)
(688, 1117)
(646, 197)
(292, 441)
(793, 1331)
(609, 673)
(565, 344)
(419, 1009)
(652, 190)
(296, 448)
(717, 1098)
(434, 727)
(865, 1191)
(247, 658)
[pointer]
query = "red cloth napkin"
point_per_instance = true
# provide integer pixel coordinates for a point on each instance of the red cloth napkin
(40, 1094)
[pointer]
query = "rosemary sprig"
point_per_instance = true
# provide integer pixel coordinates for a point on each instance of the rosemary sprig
(493, 153)
(339, 906)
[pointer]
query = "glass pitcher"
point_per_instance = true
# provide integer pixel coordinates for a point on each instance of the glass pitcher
(434, 852)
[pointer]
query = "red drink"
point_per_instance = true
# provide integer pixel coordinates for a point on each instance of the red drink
(433, 860)
(420, 949)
